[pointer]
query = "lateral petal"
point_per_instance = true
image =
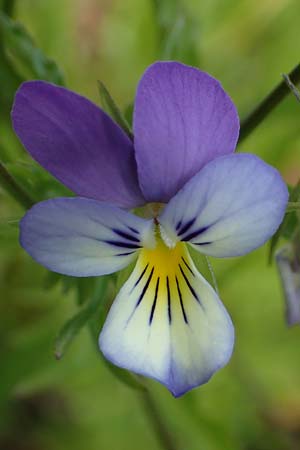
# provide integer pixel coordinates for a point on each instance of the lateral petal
(82, 237)
(232, 206)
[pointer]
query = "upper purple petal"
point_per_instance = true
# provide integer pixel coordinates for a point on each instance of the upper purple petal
(77, 142)
(182, 119)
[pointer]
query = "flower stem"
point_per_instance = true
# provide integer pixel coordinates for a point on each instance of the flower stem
(268, 104)
(159, 427)
(14, 189)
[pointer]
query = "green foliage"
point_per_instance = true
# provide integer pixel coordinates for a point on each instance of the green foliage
(13, 188)
(95, 295)
(177, 32)
(290, 223)
(252, 403)
(95, 307)
(25, 56)
(21, 59)
(109, 106)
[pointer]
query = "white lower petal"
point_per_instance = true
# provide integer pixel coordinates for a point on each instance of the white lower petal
(168, 323)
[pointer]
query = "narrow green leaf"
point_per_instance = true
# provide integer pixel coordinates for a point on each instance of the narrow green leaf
(8, 78)
(72, 327)
(178, 32)
(25, 55)
(36, 180)
(8, 182)
(51, 280)
(85, 287)
(94, 315)
(128, 113)
(69, 331)
(290, 222)
(180, 44)
(110, 107)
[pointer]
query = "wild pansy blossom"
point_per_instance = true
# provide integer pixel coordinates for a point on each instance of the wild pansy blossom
(167, 322)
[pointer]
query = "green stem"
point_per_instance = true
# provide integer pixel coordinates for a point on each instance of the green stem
(13, 188)
(157, 422)
(268, 104)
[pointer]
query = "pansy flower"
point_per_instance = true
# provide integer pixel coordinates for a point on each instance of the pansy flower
(167, 322)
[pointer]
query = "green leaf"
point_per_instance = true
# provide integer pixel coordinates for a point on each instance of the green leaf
(76, 323)
(85, 287)
(8, 78)
(25, 55)
(69, 331)
(110, 107)
(36, 180)
(65, 282)
(128, 113)
(8, 182)
(51, 280)
(178, 32)
(290, 222)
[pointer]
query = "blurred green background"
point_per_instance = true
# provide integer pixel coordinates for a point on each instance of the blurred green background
(77, 403)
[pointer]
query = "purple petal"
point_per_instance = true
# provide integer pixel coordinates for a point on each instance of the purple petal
(232, 206)
(77, 142)
(83, 237)
(182, 119)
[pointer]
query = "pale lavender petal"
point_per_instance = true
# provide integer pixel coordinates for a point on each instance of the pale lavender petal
(232, 206)
(83, 237)
(77, 142)
(182, 119)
